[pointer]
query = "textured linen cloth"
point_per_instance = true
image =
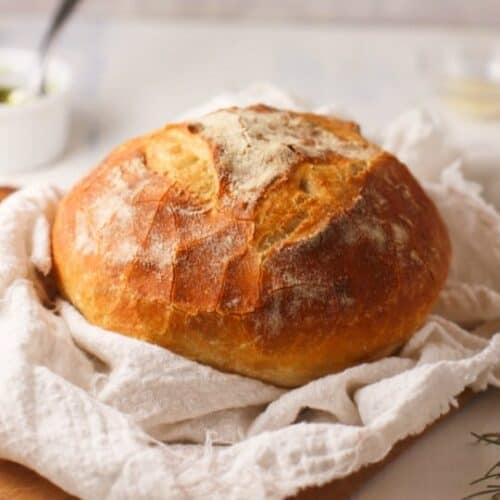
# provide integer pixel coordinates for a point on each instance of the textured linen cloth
(108, 417)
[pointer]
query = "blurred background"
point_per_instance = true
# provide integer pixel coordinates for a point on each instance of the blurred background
(137, 64)
(448, 12)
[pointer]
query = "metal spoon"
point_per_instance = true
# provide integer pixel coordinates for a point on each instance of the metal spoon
(38, 83)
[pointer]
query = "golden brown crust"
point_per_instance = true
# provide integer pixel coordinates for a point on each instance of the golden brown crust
(278, 245)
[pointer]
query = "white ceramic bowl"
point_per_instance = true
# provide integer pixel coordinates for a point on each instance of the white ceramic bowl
(33, 132)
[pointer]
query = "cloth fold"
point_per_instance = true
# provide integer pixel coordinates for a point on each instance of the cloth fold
(106, 416)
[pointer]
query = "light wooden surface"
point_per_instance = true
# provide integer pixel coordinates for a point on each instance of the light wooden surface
(19, 483)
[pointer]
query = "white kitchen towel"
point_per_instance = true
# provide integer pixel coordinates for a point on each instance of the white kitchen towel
(108, 417)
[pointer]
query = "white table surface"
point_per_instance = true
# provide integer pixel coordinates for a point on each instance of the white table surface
(135, 76)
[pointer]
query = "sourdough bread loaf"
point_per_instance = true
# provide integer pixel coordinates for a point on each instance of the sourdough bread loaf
(277, 245)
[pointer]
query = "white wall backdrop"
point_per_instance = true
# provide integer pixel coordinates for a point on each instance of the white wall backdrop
(449, 12)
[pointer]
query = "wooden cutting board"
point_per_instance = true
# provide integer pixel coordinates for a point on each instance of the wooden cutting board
(19, 483)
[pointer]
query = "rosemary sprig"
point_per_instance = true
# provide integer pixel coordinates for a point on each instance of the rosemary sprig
(493, 473)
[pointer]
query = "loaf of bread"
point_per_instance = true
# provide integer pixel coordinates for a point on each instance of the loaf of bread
(277, 245)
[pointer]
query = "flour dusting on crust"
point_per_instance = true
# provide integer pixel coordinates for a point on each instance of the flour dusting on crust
(256, 147)
(107, 225)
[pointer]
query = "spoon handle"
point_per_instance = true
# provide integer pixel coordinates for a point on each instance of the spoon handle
(60, 16)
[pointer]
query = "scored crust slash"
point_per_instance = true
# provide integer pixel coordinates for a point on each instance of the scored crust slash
(278, 245)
